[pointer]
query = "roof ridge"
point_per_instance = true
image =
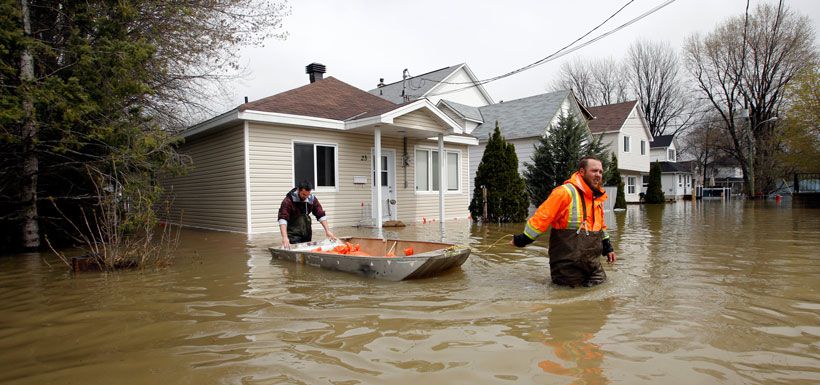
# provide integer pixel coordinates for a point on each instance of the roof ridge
(417, 76)
(520, 99)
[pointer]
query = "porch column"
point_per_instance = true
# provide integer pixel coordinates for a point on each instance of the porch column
(442, 178)
(377, 180)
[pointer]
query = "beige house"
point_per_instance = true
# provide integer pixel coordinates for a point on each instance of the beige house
(328, 132)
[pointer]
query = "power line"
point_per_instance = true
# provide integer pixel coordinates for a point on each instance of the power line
(563, 51)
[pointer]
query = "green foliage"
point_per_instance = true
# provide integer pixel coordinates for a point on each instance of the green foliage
(109, 80)
(557, 154)
(612, 177)
(800, 133)
(654, 190)
(498, 172)
(620, 199)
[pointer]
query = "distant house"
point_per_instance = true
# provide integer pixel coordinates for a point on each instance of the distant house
(455, 83)
(457, 93)
(627, 135)
(328, 132)
(524, 122)
(676, 180)
(725, 172)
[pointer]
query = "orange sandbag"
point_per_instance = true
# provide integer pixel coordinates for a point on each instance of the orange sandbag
(342, 249)
(408, 251)
(318, 249)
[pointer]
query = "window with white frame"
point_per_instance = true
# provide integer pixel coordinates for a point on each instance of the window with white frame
(670, 152)
(428, 168)
(626, 143)
(316, 163)
(631, 181)
(643, 147)
(680, 180)
(645, 181)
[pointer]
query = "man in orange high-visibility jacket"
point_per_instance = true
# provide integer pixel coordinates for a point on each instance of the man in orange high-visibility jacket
(578, 237)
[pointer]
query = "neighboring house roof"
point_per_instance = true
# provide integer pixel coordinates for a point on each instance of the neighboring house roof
(523, 118)
(611, 117)
(662, 141)
(466, 112)
(328, 98)
(335, 105)
(420, 86)
(673, 167)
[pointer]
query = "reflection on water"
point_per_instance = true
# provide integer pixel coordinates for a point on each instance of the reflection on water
(706, 292)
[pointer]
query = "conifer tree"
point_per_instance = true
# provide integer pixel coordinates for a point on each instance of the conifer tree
(654, 191)
(613, 178)
(498, 172)
(556, 156)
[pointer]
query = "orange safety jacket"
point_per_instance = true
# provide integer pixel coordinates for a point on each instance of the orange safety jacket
(563, 209)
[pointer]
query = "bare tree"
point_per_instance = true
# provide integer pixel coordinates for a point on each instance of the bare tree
(653, 70)
(595, 83)
(703, 143)
(742, 68)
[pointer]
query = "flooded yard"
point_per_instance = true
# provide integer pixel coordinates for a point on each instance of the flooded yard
(703, 293)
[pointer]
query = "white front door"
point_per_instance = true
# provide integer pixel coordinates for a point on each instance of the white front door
(388, 203)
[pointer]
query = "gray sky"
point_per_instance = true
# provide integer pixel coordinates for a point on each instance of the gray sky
(362, 40)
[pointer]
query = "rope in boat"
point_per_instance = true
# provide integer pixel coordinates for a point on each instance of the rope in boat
(494, 243)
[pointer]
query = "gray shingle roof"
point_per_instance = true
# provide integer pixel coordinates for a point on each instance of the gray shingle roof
(416, 86)
(464, 110)
(673, 167)
(520, 118)
(661, 141)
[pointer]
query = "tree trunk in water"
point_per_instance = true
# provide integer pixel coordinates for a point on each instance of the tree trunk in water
(28, 193)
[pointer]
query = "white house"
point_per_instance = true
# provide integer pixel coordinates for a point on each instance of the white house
(328, 132)
(627, 135)
(455, 83)
(676, 181)
(457, 93)
(524, 122)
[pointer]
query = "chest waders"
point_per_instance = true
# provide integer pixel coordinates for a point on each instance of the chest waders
(575, 252)
(299, 229)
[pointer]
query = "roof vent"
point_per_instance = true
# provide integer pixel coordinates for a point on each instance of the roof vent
(316, 71)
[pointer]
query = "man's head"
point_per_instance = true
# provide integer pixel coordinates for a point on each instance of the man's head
(592, 170)
(304, 189)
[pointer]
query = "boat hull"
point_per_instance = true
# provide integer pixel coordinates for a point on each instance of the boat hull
(430, 259)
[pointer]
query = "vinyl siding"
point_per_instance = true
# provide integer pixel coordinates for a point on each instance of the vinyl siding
(419, 120)
(212, 194)
(633, 160)
(271, 157)
(453, 89)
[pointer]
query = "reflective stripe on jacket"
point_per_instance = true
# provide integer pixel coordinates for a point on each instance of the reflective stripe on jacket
(564, 210)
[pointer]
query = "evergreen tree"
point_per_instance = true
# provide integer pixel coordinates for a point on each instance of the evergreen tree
(556, 156)
(654, 191)
(613, 178)
(498, 172)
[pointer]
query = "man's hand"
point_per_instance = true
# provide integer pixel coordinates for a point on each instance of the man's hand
(611, 257)
(285, 243)
(330, 235)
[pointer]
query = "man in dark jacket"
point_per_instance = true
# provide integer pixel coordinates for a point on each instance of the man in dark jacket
(294, 222)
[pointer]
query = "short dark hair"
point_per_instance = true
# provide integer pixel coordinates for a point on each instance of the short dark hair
(305, 185)
(583, 162)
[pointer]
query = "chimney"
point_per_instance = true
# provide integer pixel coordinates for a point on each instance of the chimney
(315, 71)
(381, 83)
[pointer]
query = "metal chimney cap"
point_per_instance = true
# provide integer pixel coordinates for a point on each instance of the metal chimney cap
(315, 68)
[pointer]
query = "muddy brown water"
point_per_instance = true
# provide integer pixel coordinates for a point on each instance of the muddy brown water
(706, 293)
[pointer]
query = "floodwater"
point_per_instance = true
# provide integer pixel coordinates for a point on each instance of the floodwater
(703, 293)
